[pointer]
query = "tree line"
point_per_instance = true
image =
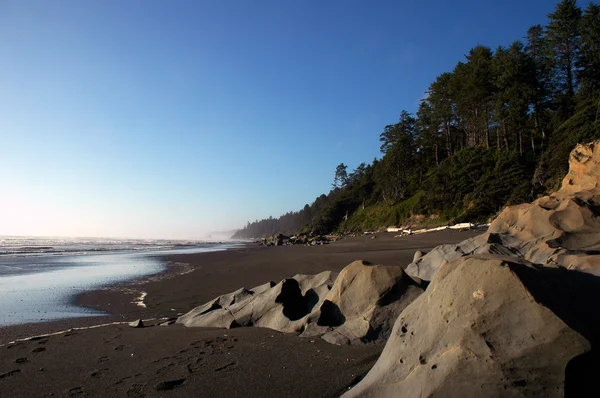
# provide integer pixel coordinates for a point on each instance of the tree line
(496, 130)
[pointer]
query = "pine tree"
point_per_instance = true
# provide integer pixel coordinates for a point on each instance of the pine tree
(394, 132)
(341, 176)
(473, 95)
(429, 139)
(563, 37)
(540, 80)
(589, 61)
(442, 104)
(395, 168)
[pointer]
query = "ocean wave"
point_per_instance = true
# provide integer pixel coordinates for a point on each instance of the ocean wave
(32, 246)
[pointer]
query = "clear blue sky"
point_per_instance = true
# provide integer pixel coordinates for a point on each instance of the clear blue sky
(174, 118)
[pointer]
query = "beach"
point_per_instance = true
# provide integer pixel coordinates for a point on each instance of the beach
(118, 360)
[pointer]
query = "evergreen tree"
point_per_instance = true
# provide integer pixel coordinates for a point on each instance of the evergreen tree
(474, 91)
(341, 176)
(442, 163)
(512, 71)
(429, 140)
(440, 99)
(589, 61)
(394, 132)
(563, 37)
(540, 80)
(395, 168)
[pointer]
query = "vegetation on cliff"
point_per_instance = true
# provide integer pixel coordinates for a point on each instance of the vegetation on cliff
(496, 130)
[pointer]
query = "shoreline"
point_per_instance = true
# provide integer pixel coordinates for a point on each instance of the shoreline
(118, 300)
(119, 360)
(119, 290)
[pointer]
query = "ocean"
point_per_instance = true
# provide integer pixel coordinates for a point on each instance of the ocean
(40, 277)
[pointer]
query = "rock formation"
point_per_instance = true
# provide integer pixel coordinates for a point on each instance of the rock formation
(511, 312)
(486, 327)
(300, 239)
(559, 230)
(359, 305)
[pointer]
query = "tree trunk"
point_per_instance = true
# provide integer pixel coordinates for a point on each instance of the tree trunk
(437, 159)
(498, 140)
(487, 131)
(448, 139)
(520, 142)
(505, 136)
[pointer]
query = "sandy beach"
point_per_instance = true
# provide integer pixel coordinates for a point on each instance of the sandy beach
(118, 360)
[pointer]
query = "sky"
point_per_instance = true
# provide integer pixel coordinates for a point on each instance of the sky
(171, 119)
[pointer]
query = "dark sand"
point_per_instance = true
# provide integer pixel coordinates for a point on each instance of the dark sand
(118, 360)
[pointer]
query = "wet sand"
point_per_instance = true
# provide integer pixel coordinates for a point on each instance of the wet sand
(118, 360)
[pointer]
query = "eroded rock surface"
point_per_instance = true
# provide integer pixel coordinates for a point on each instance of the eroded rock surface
(486, 327)
(359, 305)
(559, 230)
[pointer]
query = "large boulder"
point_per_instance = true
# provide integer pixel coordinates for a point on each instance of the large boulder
(360, 305)
(364, 303)
(489, 327)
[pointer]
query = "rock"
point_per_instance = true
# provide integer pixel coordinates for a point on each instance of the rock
(360, 305)
(584, 170)
(137, 324)
(418, 255)
(562, 229)
(284, 306)
(559, 230)
(365, 300)
(426, 266)
(168, 322)
(300, 239)
(486, 327)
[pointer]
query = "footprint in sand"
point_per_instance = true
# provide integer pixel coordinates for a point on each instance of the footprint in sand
(77, 392)
(39, 349)
(10, 373)
(165, 368)
(98, 372)
(161, 359)
(135, 390)
(169, 384)
(229, 366)
(16, 345)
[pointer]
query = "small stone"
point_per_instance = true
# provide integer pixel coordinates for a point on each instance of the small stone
(137, 324)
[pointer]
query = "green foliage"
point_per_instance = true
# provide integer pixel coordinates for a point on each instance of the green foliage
(382, 215)
(475, 183)
(563, 43)
(589, 61)
(582, 127)
(476, 140)
(341, 176)
(394, 171)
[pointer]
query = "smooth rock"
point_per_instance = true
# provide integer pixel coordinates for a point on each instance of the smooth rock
(484, 327)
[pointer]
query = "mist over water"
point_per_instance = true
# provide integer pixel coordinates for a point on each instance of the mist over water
(33, 245)
(40, 277)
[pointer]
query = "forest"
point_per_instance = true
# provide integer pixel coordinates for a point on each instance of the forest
(495, 131)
